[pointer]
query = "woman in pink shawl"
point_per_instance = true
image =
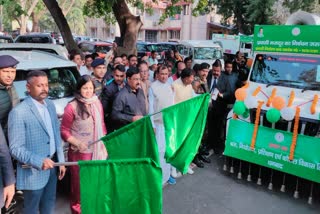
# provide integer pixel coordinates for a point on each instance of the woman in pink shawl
(81, 124)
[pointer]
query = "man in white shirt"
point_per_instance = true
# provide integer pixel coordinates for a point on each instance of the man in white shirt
(153, 58)
(86, 68)
(161, 96)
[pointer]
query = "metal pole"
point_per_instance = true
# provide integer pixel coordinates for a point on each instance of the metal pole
(25, 166)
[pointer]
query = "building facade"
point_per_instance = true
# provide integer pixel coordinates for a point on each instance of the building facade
(181, 26)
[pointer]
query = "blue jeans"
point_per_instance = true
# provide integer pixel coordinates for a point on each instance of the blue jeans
(42, 200)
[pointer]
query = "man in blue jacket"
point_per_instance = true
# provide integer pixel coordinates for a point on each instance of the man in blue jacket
(34, 139)
(7, 179)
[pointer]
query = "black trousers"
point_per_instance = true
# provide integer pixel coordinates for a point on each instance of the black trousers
(216, 125)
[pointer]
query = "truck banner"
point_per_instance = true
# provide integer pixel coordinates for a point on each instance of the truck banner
(302, 39)
(272, 149)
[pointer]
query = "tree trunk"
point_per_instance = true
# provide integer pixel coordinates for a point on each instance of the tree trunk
(23, 24)
(62, 24)
(129, 27)
(35, 22)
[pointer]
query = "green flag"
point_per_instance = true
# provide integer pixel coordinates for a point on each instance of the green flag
(184, 124)
(128, 186)
(136, 140)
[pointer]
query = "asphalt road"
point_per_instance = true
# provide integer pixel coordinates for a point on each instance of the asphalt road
(212, 191)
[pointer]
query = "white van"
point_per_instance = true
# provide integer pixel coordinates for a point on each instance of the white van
(201, 51)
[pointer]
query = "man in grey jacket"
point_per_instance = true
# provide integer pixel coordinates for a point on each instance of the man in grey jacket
(7, 179)
(129, 105)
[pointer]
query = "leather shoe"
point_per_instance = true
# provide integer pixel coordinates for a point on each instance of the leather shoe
(198, 162)
(217, 152)
(204, 159)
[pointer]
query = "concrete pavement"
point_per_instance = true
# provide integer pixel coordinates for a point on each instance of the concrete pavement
(211, 191)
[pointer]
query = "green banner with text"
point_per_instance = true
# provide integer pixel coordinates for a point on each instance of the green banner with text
(272, 149)
(302, 39)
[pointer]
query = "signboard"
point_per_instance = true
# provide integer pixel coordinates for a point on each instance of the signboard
(302, 39)
(246, 39)
(272, 149)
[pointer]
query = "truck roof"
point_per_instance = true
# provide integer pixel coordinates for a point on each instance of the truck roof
(200, 43)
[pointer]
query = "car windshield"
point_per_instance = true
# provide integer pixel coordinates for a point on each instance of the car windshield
(166, 47)
(103, 49)
(287, 70)
(62, 82)
(154, 47)
(141, 47)
(6, 40)
(207, 53)
(33, 39)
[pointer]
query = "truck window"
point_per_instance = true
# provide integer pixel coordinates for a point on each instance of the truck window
(207, 53)
(247, 45)
(291, 71)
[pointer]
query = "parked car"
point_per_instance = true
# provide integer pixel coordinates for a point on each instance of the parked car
(145, 48)
(35, 38)
(49, 48)
(95, 47)
(79, 39)
(62, 75)
(165, 46)
(6, 39)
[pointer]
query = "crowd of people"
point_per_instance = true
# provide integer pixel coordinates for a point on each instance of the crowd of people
(110, 94)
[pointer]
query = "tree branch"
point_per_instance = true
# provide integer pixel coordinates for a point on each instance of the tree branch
(33, 5)
(65, 13)
(17, 19)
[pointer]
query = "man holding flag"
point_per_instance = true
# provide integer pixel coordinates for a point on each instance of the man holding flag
(161, 96)
(34, 139)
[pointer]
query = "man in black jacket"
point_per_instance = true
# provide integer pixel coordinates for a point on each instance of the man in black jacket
(109, 93)
(220, 92)
(129, 105)
(8, 95)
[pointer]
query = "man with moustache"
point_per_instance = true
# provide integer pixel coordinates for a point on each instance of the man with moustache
(219, 88)
(34, 139)
(161, 96)
(110, 92)
(8, 95)
(129, 105)
(99, 71)
(133, 60)
(199, 84)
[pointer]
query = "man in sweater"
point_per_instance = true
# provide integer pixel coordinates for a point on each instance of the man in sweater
(183, 91)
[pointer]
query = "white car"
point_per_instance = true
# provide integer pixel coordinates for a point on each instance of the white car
(49, 48)
(62, 75)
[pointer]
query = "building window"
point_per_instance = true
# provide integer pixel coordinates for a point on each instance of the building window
(106, 32)
(174, 34)
(186, 9)
(140, 35)
(151, 36)
(93, 32)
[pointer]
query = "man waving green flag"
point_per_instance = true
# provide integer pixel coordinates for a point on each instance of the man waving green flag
(184, 125)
